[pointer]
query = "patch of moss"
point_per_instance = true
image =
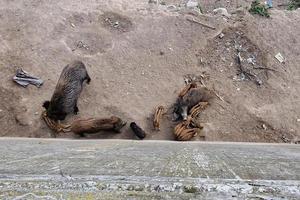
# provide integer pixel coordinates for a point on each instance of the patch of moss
(190, 189)
(294, 4)
(259, 9)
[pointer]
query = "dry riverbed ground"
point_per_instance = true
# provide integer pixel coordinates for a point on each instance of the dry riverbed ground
(138, 54)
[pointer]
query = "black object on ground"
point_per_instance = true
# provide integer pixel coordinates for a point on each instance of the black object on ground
(24, 79)
(138, 131)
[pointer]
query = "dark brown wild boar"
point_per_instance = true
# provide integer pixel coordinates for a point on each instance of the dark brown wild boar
(189, 100)
(67, 91)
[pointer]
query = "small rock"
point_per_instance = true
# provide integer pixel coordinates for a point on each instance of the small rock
(222, 11)
(36, 113)
(1, 110)
(221, 35)
(153, 1)
(172, 8)
(73, 25)
(191, 4)
(251, 60)
(21, 120)
(116, 24)
(264, 126)
(238, 89)
(298, 120)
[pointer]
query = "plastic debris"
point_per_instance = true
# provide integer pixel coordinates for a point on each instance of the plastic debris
(251, 60)
(279, 57)
(221, 35)
(24, 79)
(269, 3)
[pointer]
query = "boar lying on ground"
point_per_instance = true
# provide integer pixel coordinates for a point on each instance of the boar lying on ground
(189, 100)
(67, 91)
(138, 131)
(159, 111)
(93, 125)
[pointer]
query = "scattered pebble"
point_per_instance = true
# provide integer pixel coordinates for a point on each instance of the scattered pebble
(298, 120)
(172, 8)
(192, 4)
(116, 24)
(153, 1)
(238, 89)
(221, 35)
(36, 113)
(222, 11)
(264, 126)
(251, 61)
(73, 25)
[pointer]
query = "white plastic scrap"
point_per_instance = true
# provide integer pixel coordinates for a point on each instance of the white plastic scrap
(279, 57)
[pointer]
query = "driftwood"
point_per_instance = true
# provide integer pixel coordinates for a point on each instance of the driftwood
(201, 23)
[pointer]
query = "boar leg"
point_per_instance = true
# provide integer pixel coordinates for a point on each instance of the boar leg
(76, 110)
(88, 79)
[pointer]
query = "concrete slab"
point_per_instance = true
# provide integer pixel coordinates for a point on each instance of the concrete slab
(118, 169)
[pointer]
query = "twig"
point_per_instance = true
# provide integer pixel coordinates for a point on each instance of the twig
(217, 95)
(283, 4)
(201, 23)
(266, 68)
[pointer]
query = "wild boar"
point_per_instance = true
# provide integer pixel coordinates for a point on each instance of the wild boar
(67, 91)
(189, 100)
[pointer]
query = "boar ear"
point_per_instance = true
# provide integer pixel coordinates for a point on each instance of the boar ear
(46, 104)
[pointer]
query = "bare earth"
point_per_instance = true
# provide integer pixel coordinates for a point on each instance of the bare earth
(140, 63)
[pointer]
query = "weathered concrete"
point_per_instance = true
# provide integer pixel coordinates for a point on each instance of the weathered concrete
(120, 169)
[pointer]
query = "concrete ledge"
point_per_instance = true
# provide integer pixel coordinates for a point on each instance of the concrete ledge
(118, 169)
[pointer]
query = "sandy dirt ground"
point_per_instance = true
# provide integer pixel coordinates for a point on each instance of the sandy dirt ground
(142, 61)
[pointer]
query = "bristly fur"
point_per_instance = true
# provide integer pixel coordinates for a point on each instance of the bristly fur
(67, 91)
(138, 131)
(189, 100)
